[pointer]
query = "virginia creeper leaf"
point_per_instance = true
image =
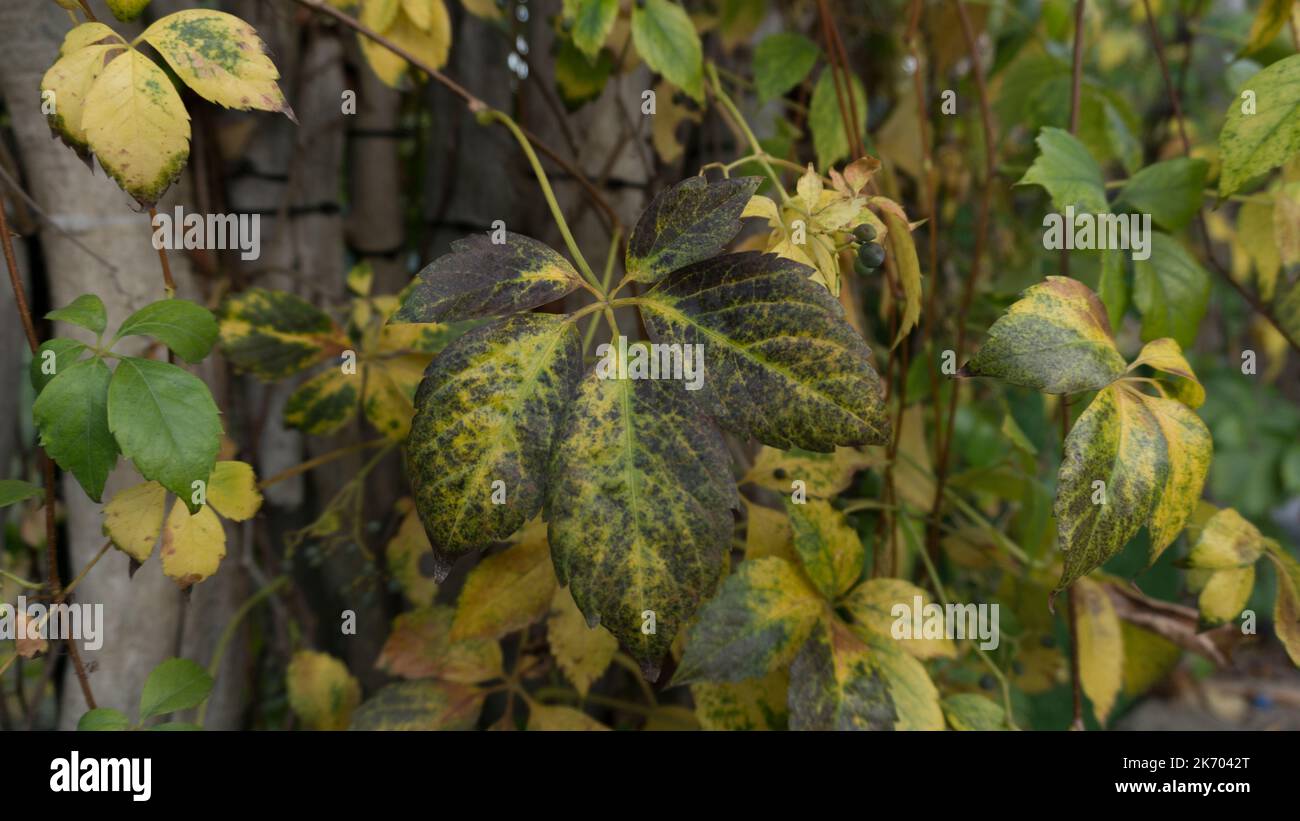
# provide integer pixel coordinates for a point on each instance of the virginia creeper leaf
(592, 21)
(13, 491)
(73, 416)
(971, 711)
(1101, 648)
(273, 334)
(686, 223)
(1166, 356)
(1170, 191)
(829, 549)
(176, 684)
(324, 403)
(487, 412)
(193, 545)
(781, 364)
(186, 328)
(1255, 140)
(86, 311)
(582, 652)
(1225, 595)
(1227, 541)
(322, 693)
(754, 704)
(133, 519)
(65, 351)
(666, 39)
(1286, 607)
(871, 605)
(507, 591)
(1068, 172)
(639, 501)
(420, 646)
(826, 119)
(420, 705)
(781, 62)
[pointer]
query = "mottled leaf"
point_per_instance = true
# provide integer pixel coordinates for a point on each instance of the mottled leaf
(1166, 356)
(823, 474)
(273, 334)
(971, 711)
(755, 704)
(555, 717)
(70, 80)
(324, 403)
(686, 223)
(871, 605)
(829, 549)
(1253, 143)
(322, 692)
(420, 705)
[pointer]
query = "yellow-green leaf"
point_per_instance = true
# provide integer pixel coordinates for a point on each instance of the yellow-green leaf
(823, 474)
(509, 590)
(768, 533)
(137, 126)
(1286, 607)
(872, 603)
(1101, 647)
(322, 692)
(902, 250)
(971, 711)
(232, 491)
(133, 519)
(1225, 595)
(1256, 139)
(69, 81)
(553, 717)
(1148, 658)
(829, 549)
(754, 704)
(429, 45)
(1165, 355)
(1269, 20)
(219, 56)
(273, 333)
(582, 652)
(1227, 541)
(324, 403)
(410, 559)
(666, 39)
(389, 398)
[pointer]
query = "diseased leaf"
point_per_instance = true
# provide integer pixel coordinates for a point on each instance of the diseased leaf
(823, 474)
(1068, 172)
(829, 549)
(1286, 607)
(768, 533)
(420, 705)
(389, 398)
(188, 329)
(971, 711)
(754, 704)
(1170, 191)
(686, 223)
(480, 278)
(554, 717)
(176, 684)
(410, 558)
(781, 62)
(1055, 339)
(71, 77)
(273, 334)
(582, 652)
(1148, 658)
(839, 682)
(220, 57)
(322, 693)
(509, 590)
(192, 545)
(903, 251)
(639, 501)
(137, 126)
(781, 364)
(86, 311)
(1165, 355)
(1251, 144)
(665, 38)
(756, 623)
(1172, 291)
(487, 412)
(324, 403)
(133, 519)
(166, 423)
(72, 415)
(1151, 456)
(420, 646)
(871, 605)
(1101, 647)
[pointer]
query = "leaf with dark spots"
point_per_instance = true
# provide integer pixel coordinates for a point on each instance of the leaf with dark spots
(639, 502)
(687, 223)
(480, 278)
(780, 362)
(757, 622)
(487, 412)
(1055, 339)
(420, 705)
(273, 334)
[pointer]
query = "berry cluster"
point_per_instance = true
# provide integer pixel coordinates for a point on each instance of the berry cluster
(871, 254)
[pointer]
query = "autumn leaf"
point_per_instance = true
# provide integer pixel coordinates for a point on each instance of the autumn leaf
(829, 549)
(507, 591)
(871, 606)
(582, 652)
(420, 705)
(686, 223)
(754, 704)
(420, 646)
(553, 717)
(1101, 648)
(322, 692)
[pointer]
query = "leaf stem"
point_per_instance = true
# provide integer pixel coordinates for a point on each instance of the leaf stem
(323, 459)
(169, 284)
(229, 632)
(754, 145)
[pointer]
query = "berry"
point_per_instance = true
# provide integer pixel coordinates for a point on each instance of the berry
(987, 681)
(861, 269)
(871, 254)
(864, 233)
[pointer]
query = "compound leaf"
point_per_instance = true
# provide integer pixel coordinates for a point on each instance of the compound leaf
(186, 328)
(686, 223)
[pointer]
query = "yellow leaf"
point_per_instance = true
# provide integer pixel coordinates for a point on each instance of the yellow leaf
(1148, 658)
(830, 551)
(88, 34)
(1286, 607)
(420, 13)
(134, 518)
(486, 9)
(409, 555)
(390, 393)
(582, 652)
(913, 474)
(69, 80)
(1255, 233)
(545, 717)
(509, 590)
(1101, 647)
(219, 56)
(1227, 541)
(903, 252)
(1225, 594)
(380, 14)
(1286, 223)
(768, 533)
(668, 116)
(192, 546)
(232, 491)
(1165, 355)
(753, 704)
(420, 646)
(429, 46)
(823, 474)
(872, 603)
(137, 126)
(322, 692)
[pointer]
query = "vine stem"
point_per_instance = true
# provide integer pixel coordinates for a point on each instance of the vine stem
(1250, 299)
(229, 632)
(472, 102)
(47, 466)
(730, 107)
(545, 183)
(168, 283)
(323, 459)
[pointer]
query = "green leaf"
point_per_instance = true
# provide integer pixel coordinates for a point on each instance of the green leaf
(639, 502)
(1068, 172)
(781, 62)
(1172, 291)
(781, 364)
(103, 718)
(420, 705)
(487, 411)
(166, 423)
(1253, 144)
(273, 334)
(579, 79)
(665, 38)
(828, 547)
(592, 22)
(54, 355)
(72, 416)
(826, 122)
(480, 278)
(1112, 286)
(174, 727)
(176, 684)
(754, 704)
(188, 329)
(1169, 191)
(1152, 454)
(686, 223)
(86, 311)
(760, 618)
(13, 491)
(839, 682)
(1055, 339)
(971, 711)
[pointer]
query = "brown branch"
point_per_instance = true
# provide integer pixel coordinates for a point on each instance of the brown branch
(1251, 299)
(473, 103)
(168, 283)
(51, 533)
